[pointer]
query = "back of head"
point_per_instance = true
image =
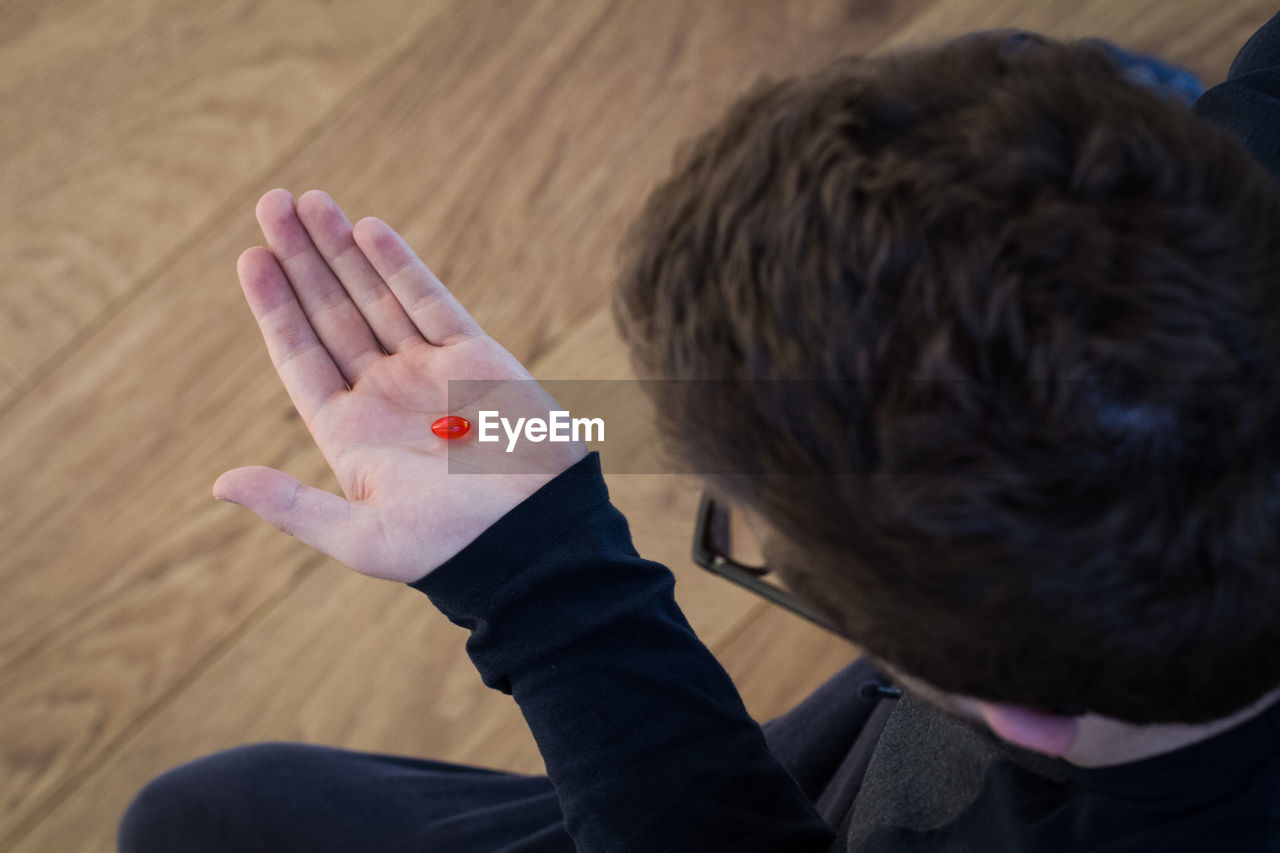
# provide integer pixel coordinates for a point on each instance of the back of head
(1044, 307)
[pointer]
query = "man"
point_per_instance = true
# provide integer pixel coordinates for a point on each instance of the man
(991, 332)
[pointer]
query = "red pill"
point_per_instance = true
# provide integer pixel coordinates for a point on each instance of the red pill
(451, 426)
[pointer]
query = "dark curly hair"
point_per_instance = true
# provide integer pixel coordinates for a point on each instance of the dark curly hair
(1042, 465)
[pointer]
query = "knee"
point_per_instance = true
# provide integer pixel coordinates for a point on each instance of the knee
(195, 806)
(161, 816)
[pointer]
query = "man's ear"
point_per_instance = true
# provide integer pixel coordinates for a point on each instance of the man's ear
(1039, 731)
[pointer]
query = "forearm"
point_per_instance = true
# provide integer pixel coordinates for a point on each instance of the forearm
(643, 733)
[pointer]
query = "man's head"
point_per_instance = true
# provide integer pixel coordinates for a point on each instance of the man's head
(1045, 307)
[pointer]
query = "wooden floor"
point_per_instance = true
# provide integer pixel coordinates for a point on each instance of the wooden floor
(141, 623)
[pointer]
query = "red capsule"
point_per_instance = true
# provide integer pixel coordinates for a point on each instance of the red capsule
(451, 426)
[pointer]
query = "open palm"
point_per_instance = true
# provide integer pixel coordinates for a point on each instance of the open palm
(365, 339)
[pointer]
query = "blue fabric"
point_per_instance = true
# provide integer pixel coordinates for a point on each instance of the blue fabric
(283, 797)
(1154, 73)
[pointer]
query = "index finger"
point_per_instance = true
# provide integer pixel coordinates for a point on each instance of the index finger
(306, 368)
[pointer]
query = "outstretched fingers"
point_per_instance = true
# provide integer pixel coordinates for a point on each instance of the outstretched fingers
(306, 368)
(330, 231)
(432, 308)
(336, 320)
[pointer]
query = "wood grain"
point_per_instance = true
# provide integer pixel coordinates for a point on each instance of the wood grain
(504, 130)
(511, 142)
(124, 126)
(1204, 37)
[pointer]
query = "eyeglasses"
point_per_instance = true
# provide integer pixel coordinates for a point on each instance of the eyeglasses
(712, 538)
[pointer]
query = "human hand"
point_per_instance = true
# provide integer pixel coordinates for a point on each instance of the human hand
(365, 338)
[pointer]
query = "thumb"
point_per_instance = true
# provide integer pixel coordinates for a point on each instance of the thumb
(311, 515)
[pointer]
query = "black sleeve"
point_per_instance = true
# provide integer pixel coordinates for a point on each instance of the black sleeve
(643, 734)
(1248, 102)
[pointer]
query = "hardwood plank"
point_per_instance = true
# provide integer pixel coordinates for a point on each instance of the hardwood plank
(1204, 38)
(111, 431)
(511, 144)
(345, 660)
(375, 668)
(504, 128)
(524, 174)
(123, 127)
(342, 659)
(86, 422)
(10, 378)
